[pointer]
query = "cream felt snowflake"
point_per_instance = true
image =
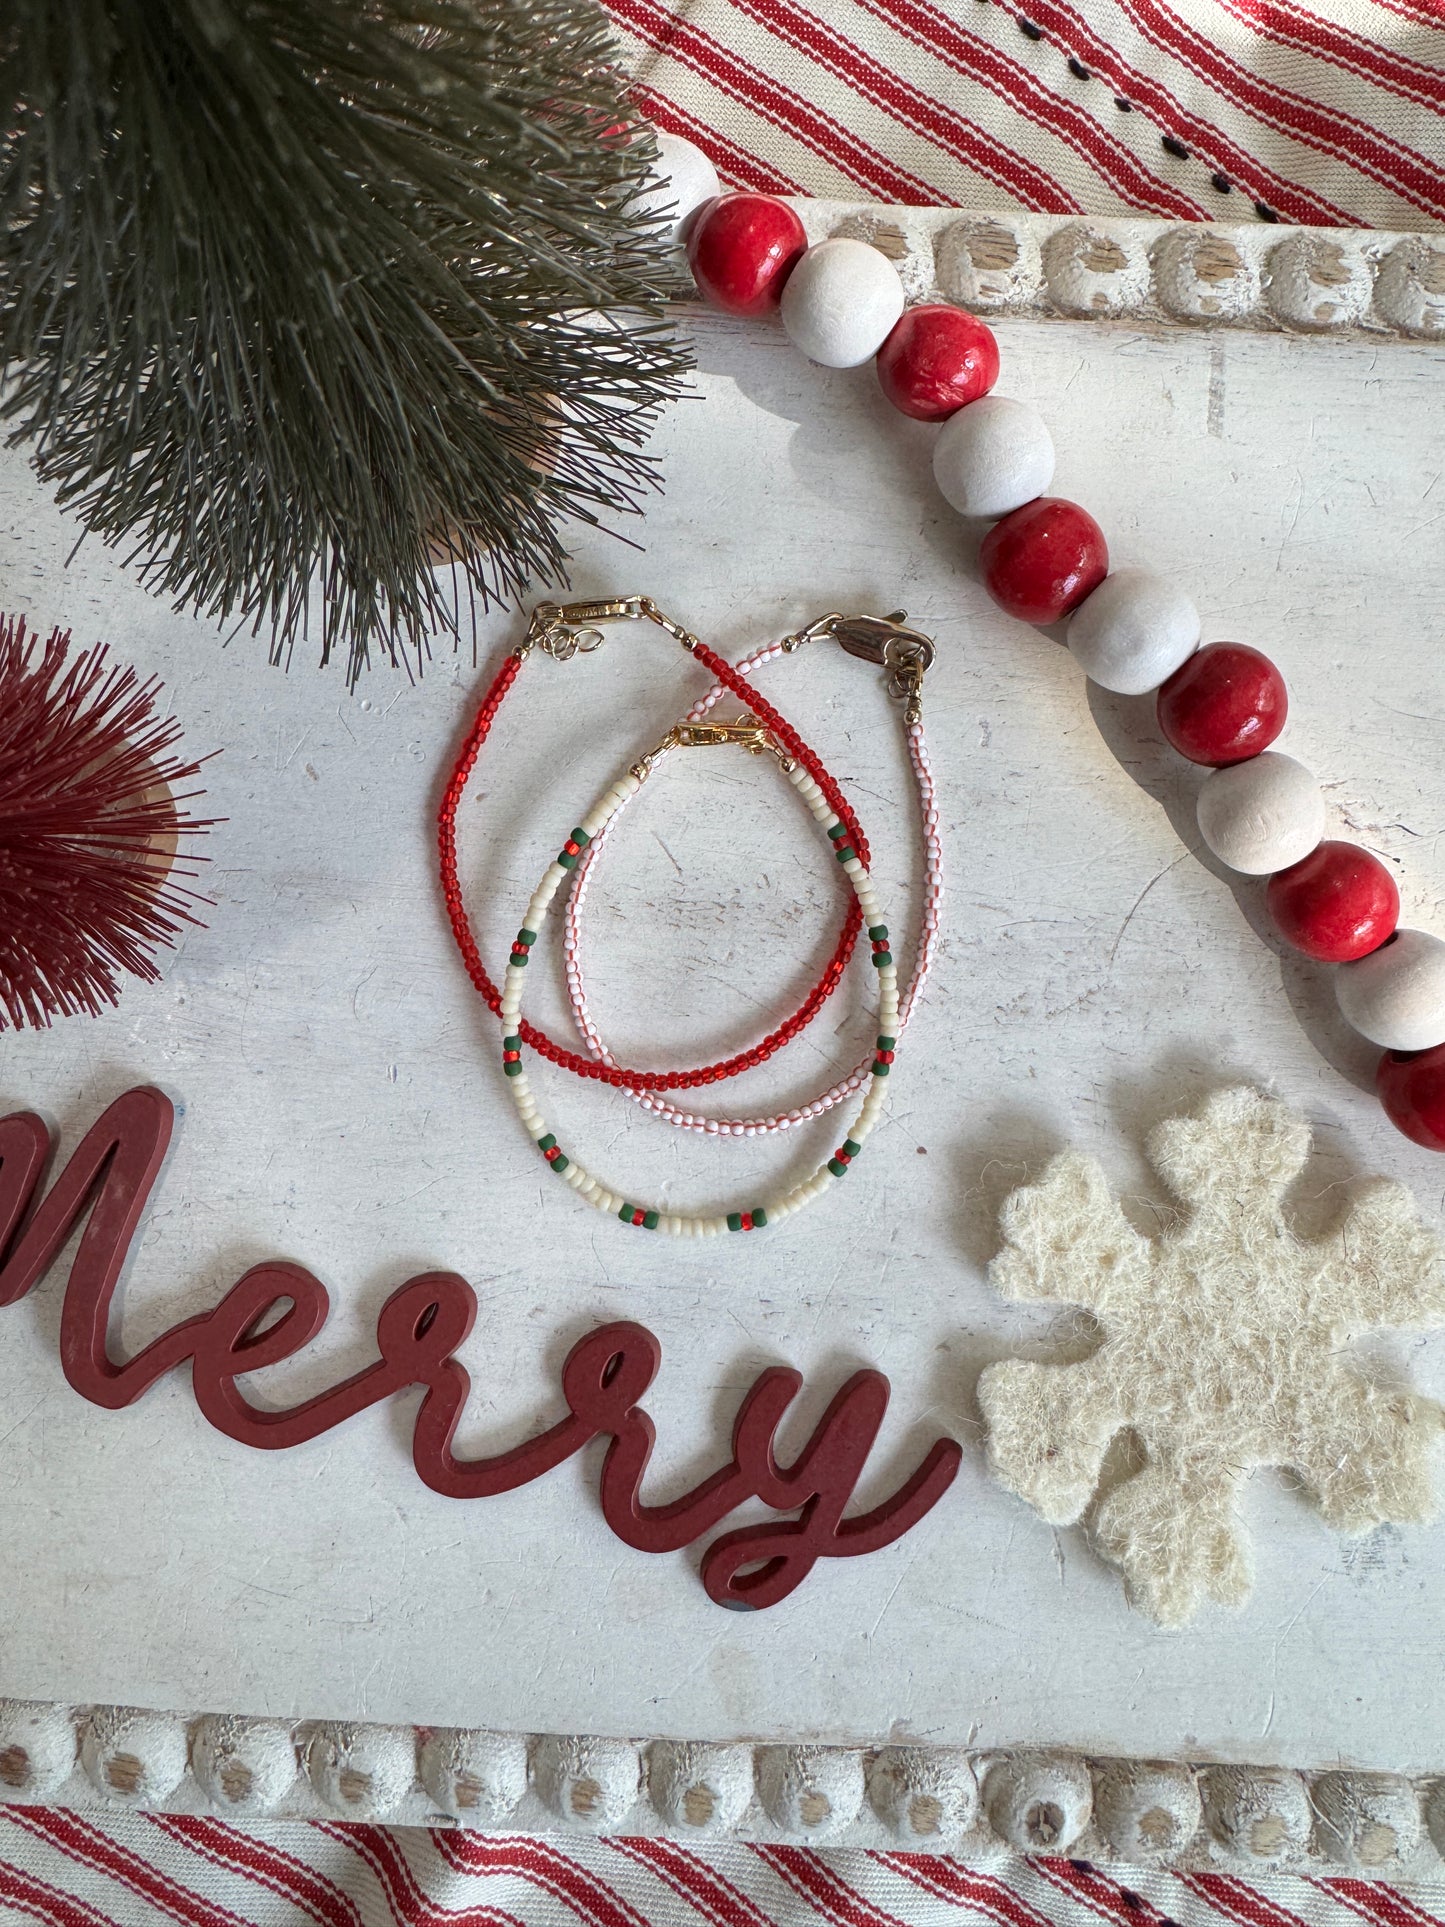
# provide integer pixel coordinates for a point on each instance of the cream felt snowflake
(1224, 1346)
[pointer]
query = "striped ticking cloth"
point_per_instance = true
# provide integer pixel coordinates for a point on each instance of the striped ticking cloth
(1331, 114)
(137, 1870)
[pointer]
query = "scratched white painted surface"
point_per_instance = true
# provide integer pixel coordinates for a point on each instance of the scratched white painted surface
(343, 1108)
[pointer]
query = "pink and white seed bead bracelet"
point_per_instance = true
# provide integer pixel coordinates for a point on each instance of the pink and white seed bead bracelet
(1045, 559)
(600, 1196)
(657, 1102)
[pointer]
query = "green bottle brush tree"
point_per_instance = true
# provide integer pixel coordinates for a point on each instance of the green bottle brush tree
(329, 315)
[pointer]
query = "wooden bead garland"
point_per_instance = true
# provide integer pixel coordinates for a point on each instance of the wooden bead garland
(1041, 561)
(1336, 905)
(1263, 815)
(840, 303)
(1396, 995)
(993, 457)
(741, 249)
(754, 1217)
(935, 361)
(1225, 704)
(1133, 631)
(1221, 706)
(684, 179)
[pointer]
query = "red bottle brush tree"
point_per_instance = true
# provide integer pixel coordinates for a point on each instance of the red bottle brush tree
(90, 823)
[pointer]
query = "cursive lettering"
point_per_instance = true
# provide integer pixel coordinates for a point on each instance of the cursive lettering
(276, 1308)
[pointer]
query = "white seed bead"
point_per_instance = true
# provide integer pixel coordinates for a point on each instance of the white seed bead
(1396, 995)
(583, 1182)
(1133, 632)
(680, 179)
(840, 303)
(992, 457)
(1262, 815)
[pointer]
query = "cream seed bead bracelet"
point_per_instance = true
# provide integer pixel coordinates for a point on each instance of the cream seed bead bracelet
(1045, 559)
(905, 656)
(749, 732)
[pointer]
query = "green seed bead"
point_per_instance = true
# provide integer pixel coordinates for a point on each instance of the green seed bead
(526, 936)
(851, 1148)
(580, 837)
(626, 1214)
(877, 931)
(649, 1220)
(838, 1168)
(735, 1221)
(561, 1161)
(886, 1043)
(837, 829)
(881, 1070)
(512, 1070)
(567, 862)
(760, 1217)
(548, 1143)
(845, 852)
(511, 1043)
(882, 959)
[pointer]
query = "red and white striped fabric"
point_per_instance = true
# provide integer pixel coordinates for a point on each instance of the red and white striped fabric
(136, 1870)
(1331, 113)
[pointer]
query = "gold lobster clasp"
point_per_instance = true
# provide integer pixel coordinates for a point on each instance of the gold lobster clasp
(903, 652)
(754, 736)
(563, 630)
(746, 730)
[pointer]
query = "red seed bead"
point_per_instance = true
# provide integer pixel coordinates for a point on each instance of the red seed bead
(936, 360)
(742, 249)
(1226, 704)
(1412, 1089)
(1043, 559)
(1340, 903)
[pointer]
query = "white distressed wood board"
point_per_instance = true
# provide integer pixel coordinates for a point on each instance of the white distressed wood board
(342, 1104)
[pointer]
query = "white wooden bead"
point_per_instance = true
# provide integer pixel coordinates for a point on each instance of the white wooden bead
(1133, 632)
(993, 456)
(1262, 815)
(679, 181)
(841, 302)
(1396, 995)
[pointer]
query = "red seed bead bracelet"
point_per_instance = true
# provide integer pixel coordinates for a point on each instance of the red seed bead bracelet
(1133, 632)
(552, 629)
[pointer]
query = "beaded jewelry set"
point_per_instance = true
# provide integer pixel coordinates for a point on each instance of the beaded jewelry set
(561, 631)
(1044, 559)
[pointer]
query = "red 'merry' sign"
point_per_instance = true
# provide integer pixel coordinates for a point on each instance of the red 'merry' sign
(277, 1308)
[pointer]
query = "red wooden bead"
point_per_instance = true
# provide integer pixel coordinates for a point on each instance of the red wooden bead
(742, 249)
(1412, 1089)
(1043, 559)
(1340, 903)
(936, 360)
(1224, 705)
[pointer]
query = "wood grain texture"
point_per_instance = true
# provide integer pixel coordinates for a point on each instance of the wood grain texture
(342, 1108)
